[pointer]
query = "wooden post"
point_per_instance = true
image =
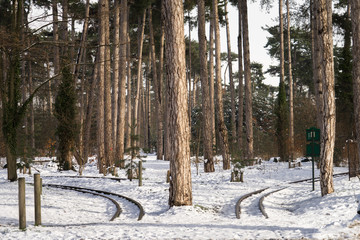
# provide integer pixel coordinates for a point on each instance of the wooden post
(22, 209)
(40, 186)
(140, 173)
(37, 192)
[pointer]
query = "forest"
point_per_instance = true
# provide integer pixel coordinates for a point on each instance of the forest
(108, 78)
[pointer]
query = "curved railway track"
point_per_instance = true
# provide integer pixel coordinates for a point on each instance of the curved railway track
(261, 200)
(103, 194)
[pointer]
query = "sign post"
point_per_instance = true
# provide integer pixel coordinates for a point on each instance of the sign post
(313, 148)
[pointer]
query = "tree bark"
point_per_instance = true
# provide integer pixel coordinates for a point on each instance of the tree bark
(232, 89)
(291, 89)
(241, 86)
(180, 184)
(224, 142)
(101, 100)
(158, 95)
(56, 40)
(116, 61)
(355, 21)
(122, 81)
(324, 43)
(248, 92)
(141, 26)
(109, 153)
(207, 135)
(129, 94)
(211, 80)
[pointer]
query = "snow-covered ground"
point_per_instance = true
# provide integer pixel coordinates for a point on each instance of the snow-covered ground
(294, 213)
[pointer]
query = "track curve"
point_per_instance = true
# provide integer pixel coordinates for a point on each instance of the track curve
(102, 193)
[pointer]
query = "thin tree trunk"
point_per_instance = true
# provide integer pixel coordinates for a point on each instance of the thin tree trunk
(116, 60)
(211, 80)
(324, 43)
(56, 40)
(109, 153)
(180, 184)
(232, 89)
(189, 75)
(122, 81)
(139, 72)
(247, 75)
(291, 89)
(158, 95)
(355, 21)
(89, 109)
(32, 114)
(207, 135)
(161, 82)
(241, 86)
(224, 143)
(129, 94)
(101, 100)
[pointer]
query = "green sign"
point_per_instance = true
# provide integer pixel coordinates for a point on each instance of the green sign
(313, 150)
(313, 134)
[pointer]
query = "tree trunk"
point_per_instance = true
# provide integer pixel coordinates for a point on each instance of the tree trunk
(109, 153)
(207, 135)
(247, 75)
(241, 86)
(355, 21)
(122, 81)
(89, 109)
(158, 95)
(141, 26)
(211, 80)
(232, 89)
(224, 143)
(316, 60)
(324, 42)
(116, 54)
(291, 89)
(129, 95)
(101, 100)
(56, 40)
(32, 114)
(180, 168)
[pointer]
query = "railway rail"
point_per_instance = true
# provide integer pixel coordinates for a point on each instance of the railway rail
(261, 200)
(104, 194)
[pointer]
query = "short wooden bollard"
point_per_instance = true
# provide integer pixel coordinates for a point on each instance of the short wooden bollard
(37, 192)
(140, 173)
(22, 209)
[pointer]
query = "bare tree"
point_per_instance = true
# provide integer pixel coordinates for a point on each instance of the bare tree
(180, 184)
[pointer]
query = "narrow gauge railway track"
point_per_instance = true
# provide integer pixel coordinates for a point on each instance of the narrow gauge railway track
(69, 176)
(102, 194)
(261, 200)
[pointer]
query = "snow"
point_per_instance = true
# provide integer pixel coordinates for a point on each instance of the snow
(295, 212)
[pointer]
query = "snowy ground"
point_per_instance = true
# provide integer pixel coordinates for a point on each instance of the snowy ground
(294, 213)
